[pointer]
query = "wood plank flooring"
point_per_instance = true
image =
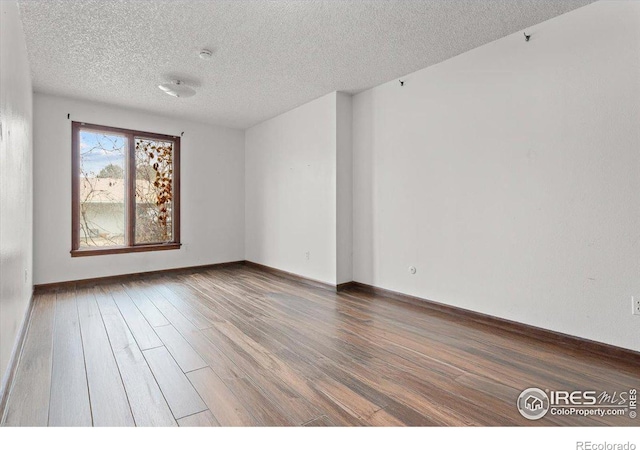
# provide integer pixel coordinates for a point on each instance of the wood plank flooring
(237, 346)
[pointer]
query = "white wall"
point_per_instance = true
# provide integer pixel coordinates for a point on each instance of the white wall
(291, 191)
(510, 177)
(211, 192)
(344, 188)
(16, 193)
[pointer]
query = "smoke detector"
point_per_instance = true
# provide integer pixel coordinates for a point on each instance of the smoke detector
(177, 88)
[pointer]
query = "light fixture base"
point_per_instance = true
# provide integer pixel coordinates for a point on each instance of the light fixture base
(205, 54)
(177, 88)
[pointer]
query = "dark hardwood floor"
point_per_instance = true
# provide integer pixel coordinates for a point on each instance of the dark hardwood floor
(239, 346)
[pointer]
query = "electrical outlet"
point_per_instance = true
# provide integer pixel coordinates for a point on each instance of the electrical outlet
(308, 255)
(635, 303)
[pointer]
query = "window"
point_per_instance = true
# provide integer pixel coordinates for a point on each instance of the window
(126, 191)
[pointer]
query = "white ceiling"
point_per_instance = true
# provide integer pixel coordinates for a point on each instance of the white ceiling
(269, 56)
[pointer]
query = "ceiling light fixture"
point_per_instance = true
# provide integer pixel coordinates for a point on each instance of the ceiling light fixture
(177, 88)
(205, 54)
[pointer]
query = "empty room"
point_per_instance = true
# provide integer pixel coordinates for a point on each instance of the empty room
(322, 213)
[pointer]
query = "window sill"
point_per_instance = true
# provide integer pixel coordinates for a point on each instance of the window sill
(118, 250)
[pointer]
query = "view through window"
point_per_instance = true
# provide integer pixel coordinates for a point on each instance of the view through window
(102, 189)
(125, 190)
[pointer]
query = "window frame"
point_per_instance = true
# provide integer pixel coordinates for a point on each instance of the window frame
(130, 204)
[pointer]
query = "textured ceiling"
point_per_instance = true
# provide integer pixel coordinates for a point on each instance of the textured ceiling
(269, 56)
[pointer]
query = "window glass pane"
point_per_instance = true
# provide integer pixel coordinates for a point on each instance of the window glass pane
(102, 189)
(154, 191)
